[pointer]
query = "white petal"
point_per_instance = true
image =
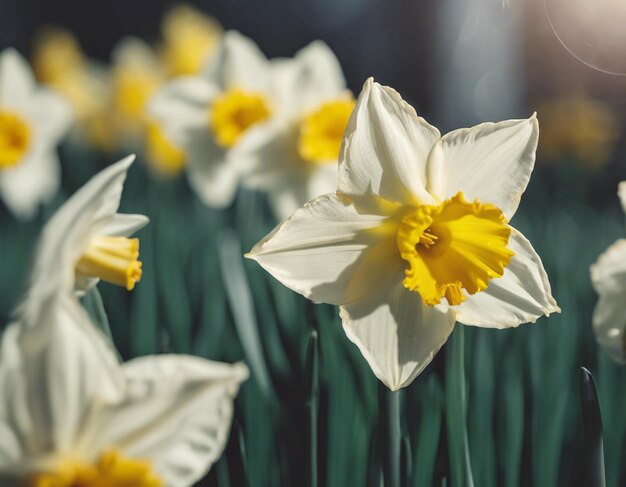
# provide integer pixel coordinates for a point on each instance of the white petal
(311, 78)
(52, 115)
(32, 182)
(608, 275)
(176, 412)
(490, 162)
(521, 295)
(16, 79)
(212, 175)
(182, 106)
(56, 368)
(319, 248)
(396, 333)
(124, 225)
(239, 63)
(385, 148)
(64, 237)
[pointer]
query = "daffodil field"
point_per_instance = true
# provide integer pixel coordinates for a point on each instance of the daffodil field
(221, 268)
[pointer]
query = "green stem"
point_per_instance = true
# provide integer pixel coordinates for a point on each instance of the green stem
(592, 424)
(312, 395)
(390, 405)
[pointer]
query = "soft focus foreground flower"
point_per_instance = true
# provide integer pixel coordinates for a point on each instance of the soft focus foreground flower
(577, 127)
(70, 415)
(189, 40)
(32, 122)
(608, 276)
(294, 157)
(86, 240)
(59, 62)
(207, 115)
(417, 235)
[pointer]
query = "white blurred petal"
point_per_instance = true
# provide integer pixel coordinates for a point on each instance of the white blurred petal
(608, 275)
(16, 79)
(490, 162)
(239, 63)
(211, 173)
(318, 249)
(385, 148)
(51, 114)
(396, 333)
(621, 192)
(176, 412)
(521, 295)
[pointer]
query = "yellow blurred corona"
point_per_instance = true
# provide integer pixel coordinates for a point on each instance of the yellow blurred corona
(189, 39)
(162, 155)
(577, 127)
(110, 470)
(234, 112)
(14, 139)
(321, 131)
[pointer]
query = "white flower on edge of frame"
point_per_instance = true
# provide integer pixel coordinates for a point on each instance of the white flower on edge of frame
(75, 416)
(86, 240)
(207, 115)
(33, 120)
(293, 158)
(608, 276)
(416, 236)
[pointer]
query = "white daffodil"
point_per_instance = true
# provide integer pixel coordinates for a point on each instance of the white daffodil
(294, 157)
(86, 240)
(416, 236)
(608, 276)
(32, 122)
(70, 415)
(207, 115)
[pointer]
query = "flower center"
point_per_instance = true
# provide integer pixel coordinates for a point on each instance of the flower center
(110, 470)
(14, 139)
(234, 112)
(453, 247)
(112, 259)
(162, 154)
(133, 88)
(322, 130)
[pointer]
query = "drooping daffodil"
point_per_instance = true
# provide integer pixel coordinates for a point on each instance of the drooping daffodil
(33, 120)
(207, 115)
(293, 158)
(71, 415)
(86, 240)
(417, 235)
(608, 276)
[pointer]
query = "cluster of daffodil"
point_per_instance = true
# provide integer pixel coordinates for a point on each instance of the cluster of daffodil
(71, 414)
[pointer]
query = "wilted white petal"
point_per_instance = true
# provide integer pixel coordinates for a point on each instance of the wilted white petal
(396, 333)
(56, 368)
(176, 412)
(521, 295)
(16, 79)
(490, 162)
(608, 275)
(239, 63)
(385, 148)
(318, 249)
(34, 181)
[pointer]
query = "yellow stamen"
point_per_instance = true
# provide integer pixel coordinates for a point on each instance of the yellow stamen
(110, 470)
(234, 112)
(112, 259)
(322, 130)
(453, 247)
(162, 154)
(14, 139)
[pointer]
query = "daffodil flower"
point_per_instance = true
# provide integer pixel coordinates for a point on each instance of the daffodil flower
(87, 240)
(32, 122)
(294, 157)
(608, 276)
(207, 115)
(417, 235)
(71, 415)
